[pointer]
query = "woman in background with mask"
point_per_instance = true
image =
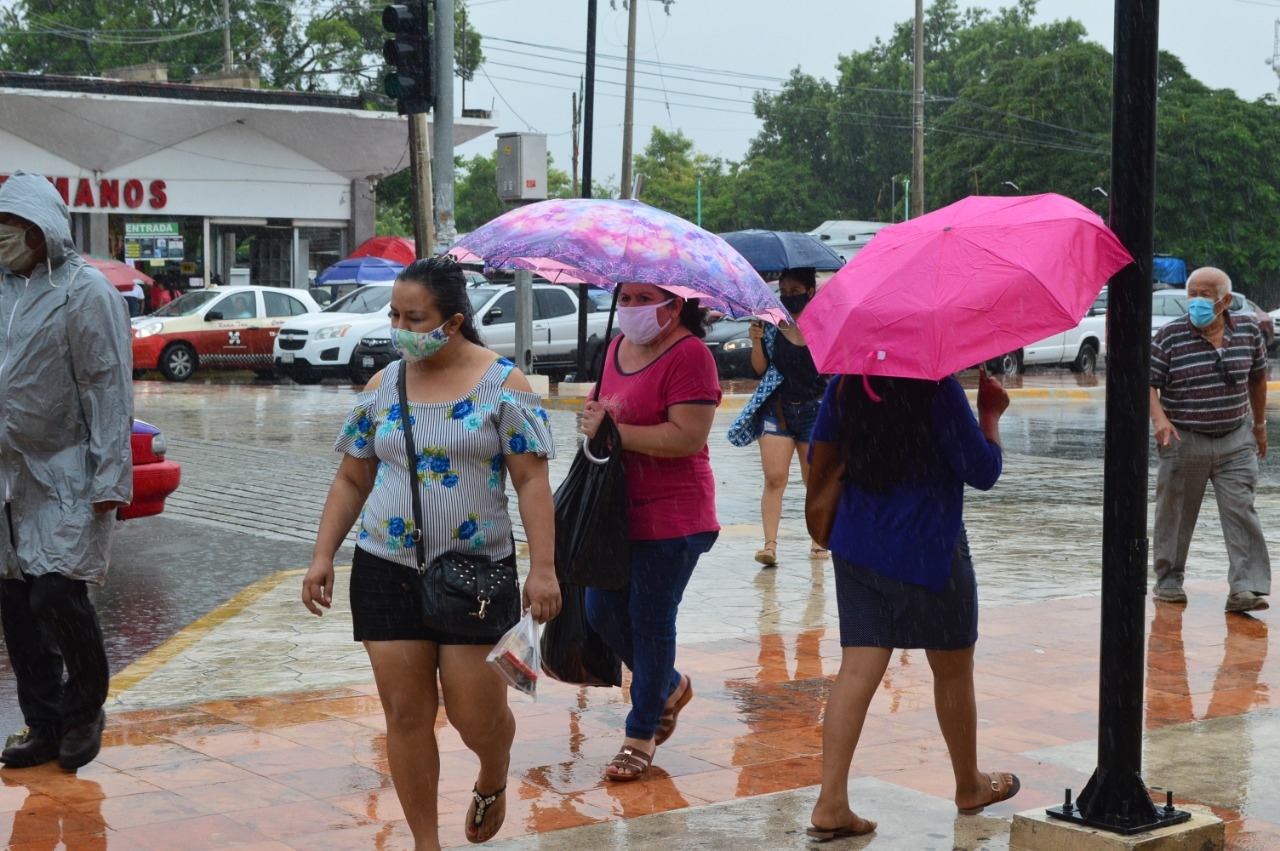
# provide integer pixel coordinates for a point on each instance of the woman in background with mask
(474, 421)
(784, 407)
(661, 388)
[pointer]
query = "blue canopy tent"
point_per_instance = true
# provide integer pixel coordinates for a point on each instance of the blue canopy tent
(1169, 270)
(360, 270)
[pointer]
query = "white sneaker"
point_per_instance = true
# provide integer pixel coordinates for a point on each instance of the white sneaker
(1247, 601)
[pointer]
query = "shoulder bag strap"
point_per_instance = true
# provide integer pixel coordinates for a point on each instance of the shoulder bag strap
(411, 455)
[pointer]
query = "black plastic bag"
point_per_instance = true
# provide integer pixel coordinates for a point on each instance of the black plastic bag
(572, 652)
(593, 545)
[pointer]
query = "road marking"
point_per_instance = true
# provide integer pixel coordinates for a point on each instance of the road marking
(189, 636)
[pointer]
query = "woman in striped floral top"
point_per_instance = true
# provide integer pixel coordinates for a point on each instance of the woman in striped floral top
(474, 421)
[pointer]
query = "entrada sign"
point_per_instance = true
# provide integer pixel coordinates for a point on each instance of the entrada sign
(111, 194)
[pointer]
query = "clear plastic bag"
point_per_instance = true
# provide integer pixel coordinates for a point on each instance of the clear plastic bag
(517, 658)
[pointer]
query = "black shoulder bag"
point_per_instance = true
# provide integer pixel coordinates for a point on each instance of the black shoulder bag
(462, 593)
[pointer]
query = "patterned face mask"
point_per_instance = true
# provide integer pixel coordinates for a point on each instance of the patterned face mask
(416, 345)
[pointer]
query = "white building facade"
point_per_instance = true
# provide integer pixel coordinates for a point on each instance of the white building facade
(264, 187)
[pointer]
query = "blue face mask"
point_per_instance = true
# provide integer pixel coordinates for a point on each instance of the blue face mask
(1202, 311)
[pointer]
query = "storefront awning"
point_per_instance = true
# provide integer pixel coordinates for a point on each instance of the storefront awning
(105, 130)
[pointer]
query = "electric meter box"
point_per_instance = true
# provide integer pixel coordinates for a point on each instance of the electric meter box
(522, 166)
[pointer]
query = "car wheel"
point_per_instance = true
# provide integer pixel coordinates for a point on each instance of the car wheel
(1007, 364)
(138, 373)
(304, 376)
(1087, 360)
(178, 362)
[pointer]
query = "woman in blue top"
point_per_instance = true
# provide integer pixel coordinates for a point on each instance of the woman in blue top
(475, 422)
(889, 461)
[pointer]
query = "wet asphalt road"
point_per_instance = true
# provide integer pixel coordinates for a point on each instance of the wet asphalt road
(257, 462)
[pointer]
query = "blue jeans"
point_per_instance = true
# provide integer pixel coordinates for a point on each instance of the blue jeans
(639, 622)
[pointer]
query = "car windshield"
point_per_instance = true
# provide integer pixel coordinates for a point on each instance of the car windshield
(479, 297)
(187, 304)
(363, 300)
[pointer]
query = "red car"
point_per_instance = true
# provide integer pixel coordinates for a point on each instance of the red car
(154, 478)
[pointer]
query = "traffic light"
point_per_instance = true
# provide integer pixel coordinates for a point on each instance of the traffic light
(408, 53)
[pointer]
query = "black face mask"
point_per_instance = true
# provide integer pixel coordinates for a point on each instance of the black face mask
(795, 303)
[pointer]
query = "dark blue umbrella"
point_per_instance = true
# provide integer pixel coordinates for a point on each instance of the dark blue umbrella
(775, 250)
(360, 270)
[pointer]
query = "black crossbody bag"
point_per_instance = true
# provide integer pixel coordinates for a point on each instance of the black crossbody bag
(462, 593)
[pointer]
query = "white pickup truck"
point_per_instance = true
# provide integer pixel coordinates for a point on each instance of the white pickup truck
(1080, 348)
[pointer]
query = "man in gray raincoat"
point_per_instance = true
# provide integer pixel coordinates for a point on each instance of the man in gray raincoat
(66, 408)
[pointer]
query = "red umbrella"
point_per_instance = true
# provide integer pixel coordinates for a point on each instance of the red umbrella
(398, 248)
(121, 275)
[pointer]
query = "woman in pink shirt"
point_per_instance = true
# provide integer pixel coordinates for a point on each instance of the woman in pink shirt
(660, 385)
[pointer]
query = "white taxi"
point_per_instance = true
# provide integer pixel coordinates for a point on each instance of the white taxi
(220, 327)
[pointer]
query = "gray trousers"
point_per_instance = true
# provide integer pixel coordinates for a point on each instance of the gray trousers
(1231, 463)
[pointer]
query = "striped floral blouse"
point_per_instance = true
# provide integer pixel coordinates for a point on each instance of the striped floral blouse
(460, 472)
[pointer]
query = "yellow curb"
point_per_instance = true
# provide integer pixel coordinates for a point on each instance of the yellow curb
(187, 637)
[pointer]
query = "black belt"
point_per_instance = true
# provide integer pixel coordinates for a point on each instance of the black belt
(1215, 434)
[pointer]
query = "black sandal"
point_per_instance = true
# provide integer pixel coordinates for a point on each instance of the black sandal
(479, 811)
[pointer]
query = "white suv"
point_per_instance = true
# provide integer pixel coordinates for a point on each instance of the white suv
(319, 346)
(1080, 348)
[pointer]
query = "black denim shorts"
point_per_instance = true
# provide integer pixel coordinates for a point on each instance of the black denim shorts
(386, 603)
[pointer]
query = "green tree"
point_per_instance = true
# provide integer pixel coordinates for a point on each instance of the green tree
(672, 173)
(306, 45)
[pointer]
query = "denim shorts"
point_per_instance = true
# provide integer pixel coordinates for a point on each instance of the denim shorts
(790, 419)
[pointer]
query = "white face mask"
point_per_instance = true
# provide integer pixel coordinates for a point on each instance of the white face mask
(640, 324)
(14, 251)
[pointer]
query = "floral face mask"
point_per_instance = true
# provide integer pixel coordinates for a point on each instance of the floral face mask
(416, 345)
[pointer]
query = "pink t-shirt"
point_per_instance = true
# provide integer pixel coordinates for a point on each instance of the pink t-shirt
(670, 497)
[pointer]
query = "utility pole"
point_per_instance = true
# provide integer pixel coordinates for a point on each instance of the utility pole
(420, 172)
(577, 122)
(917, 125)
(629, 110)
(442, 135)
(588, 122)
(226, 36)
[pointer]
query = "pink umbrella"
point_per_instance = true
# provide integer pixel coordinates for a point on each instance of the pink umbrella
(556, 273)
(932, 296)
(605, 242)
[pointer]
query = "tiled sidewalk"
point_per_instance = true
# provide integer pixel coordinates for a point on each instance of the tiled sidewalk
(308, 770)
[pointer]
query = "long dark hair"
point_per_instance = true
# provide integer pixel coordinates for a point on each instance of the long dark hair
(885, 443)
(692, 315)
(443, 278)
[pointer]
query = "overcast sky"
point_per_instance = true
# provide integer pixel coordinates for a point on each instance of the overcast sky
(698, 66)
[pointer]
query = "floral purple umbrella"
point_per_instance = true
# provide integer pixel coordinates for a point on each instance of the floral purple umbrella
(606, 242)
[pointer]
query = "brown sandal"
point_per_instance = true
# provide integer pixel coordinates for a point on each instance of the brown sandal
(768, 556)
(671, 712)
(630, 764)
(1003, 787)
(481, 806)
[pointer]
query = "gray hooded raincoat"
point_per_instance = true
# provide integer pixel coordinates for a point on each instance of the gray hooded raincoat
(66, 399)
